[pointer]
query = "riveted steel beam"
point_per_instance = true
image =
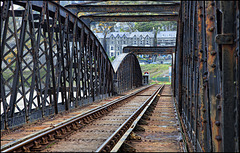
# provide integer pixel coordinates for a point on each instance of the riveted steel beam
(149, 50)
(129, 18)
(76, 8)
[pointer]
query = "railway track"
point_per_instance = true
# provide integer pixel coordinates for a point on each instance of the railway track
(98, 130)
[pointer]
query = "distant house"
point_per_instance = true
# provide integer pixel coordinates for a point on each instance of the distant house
(116, 41)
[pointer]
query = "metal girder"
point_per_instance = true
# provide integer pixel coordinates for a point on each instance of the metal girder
(76, 8)
(129, 18)
(49, 67)
(128, 73)
(149, 50)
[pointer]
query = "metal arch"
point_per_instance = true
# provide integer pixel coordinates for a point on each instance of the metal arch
(128, 73)
(49, 64)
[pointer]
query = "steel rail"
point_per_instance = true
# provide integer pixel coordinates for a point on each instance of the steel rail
(62, 129)
(113, 140)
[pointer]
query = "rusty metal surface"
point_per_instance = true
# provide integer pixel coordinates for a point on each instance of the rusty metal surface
(90, 137)
(208, 74)
(128, 18)
(149, 50)
(124, 8)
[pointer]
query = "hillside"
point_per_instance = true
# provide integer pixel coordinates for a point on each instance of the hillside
(157, 72)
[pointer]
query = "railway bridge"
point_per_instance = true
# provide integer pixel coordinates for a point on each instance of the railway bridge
(51, 62)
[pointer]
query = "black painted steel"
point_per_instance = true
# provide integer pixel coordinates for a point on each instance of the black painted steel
(50, 62)
(207, 74)
(128, 73)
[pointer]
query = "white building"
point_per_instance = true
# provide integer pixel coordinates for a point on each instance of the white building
(115, 41)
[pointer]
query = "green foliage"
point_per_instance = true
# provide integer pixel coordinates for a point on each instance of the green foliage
(148, 26)
(112, 58)
(156, 71)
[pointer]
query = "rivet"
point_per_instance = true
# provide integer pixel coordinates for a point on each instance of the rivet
(213, 65)
(219, 107)
(211, 17)
(213, 52)
(218, 138)
(218, 96)
(204, 110)
(211, 29)
(217, 123)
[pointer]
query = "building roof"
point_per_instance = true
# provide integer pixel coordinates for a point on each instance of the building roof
(167, 34)
(138, 34)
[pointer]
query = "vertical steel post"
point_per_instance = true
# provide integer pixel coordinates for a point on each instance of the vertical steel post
(226, 39)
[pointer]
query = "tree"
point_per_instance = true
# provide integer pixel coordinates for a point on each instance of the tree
(105, 28)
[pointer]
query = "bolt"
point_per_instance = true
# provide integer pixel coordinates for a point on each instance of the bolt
(218, 138)
(211, 29)
(213, 53)
(213, 65)
(219, 107)
(218, 96)
(217, 123)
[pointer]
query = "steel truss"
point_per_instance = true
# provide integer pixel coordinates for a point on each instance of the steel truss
(206, 74)
(50, 62)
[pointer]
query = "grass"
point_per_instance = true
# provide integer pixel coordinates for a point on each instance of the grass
(156, 71)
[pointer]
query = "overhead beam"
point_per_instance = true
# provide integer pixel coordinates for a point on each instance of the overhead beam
(129, 18)
(76, 8)
(149, 50)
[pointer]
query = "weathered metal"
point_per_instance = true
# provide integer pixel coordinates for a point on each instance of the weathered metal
(208, 89)
(76, 8)
(128, 18)
(50, 62)
(70, 124)
(128, 73)
(149, 50)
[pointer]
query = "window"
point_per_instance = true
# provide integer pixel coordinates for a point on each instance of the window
(112, 42)
(134, 42)
(141, 42)
(112, 38)
(117, 53)
(147, 42)
(111, 47)
(124, 42)
(111, 53)
(118, 48)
